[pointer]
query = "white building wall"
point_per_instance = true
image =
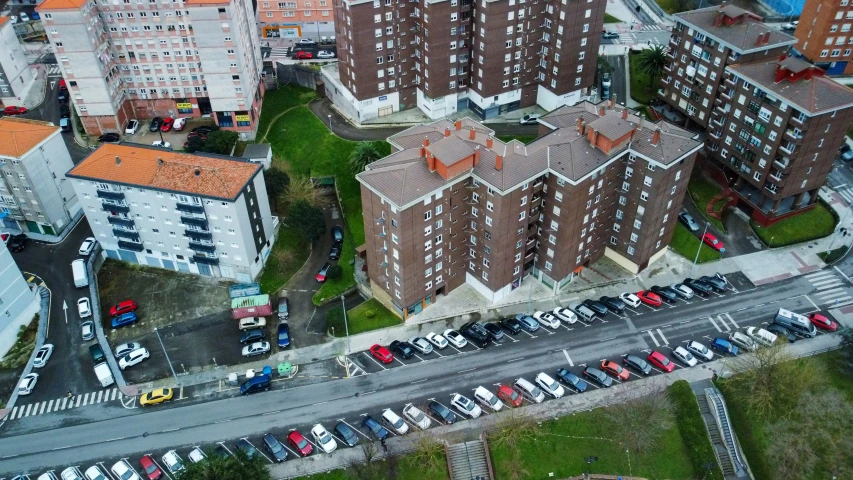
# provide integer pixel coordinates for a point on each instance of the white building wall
(551, 101)
(489, 102)
(344, 100)
(437, 108)
(46, 166)
(13, 63)
(18, 304)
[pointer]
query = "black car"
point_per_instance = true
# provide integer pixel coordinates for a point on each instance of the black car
(782, 332)
(109, 138)
(638, 364)
(667, 294)
(717, 281)
(221, 451)
(156, 123)
(495, 331)
(613, 303)
(511, 325)
(244, 446)
(375, 428)
(346, 434)
(276, 449)
(204, 130)
(252, 335)
(475, 333)
(17, 242)
(597, 376)
(402, 348)
(442, 411)
(335, 253)
(571, 380)
(337, 234)
(283, 333)
(596, 306)
(62, 96)
(687, 220)
(64, 111)
(698, 286)
(609, 35)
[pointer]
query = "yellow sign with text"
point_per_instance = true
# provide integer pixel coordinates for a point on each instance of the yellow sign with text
(184, 105)
(242, 118)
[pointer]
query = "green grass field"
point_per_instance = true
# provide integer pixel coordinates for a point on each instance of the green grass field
(685, 244)
(370, 315)
(812, 224)
(608, 18)
(701, 191)
(278, 272)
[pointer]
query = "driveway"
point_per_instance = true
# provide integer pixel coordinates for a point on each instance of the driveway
(740, 240)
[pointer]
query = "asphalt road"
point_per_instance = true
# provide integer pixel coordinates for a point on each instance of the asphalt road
(617, 77)
(378, 387)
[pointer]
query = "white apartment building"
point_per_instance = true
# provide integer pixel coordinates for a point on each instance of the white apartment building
(145, 58)
(35, 196)
(16, 77)
(204, 214)
(18, 304)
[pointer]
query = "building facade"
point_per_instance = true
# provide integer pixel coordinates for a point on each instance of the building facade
(776, 134)
(452, 205)
(18, 303)
(824, 37)
(144, 59)
(703, 43)
(200, 214)
(294, 19)
(491, 56)
(16, 77)
(35, 196)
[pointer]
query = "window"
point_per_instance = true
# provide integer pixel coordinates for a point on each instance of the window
(427, 215)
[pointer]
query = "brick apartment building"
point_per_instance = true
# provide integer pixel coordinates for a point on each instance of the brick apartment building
(703, 43)
(492, 56)
(824, 37)
(146, 58)
(453, 205)
(293, 19)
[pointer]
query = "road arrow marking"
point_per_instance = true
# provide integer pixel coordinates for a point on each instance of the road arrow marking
(65, 310)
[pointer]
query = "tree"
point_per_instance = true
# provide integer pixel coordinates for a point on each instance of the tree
(511, 431)
(640, 422)
(276, 182)
(363, 155)
(220, 141)
(429, 454)
(308, 219)
(233, 467)
(334, 272)
(300, 189)
(194, 144)
(651, 62)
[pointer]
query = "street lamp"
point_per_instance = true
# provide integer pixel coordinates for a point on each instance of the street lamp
(346, 324)
(701, 241)
(589, 461)
(330, 123)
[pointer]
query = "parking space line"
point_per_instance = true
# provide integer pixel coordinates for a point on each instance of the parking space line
(284, 444)
(399, 361)
(419, 358)
(715, 324)
(374, 361)
(353, 428)
(132, 468)
(731, 320)
(528, 333)
(568, 358)
(436, 352)
(258, 449)
(115, 393)
(225, 447)
(165, 472)
(451, 346)
(665, 341)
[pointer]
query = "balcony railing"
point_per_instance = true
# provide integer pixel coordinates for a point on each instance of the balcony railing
(189, 207)
(115, 207)
(206, 260)
(110, 194)
(208, 247)
(124, 222)
(194, 221)
(127, 234)
(198, 234)
(134, 246)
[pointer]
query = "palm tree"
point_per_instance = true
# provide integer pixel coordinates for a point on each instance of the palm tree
(651, 62)
(364, 154)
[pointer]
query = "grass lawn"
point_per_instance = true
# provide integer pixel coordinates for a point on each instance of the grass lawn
(278, 271)
(833, 254)
(370, 315)
(643, 90)
(674, 6)
(685, 244)
(701, 191)
(407, 467)
(815, 223)
(525, 139)
(608, 18)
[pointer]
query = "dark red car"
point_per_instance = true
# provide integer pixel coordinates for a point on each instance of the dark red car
(381, 353)
(712, 241)
(297, 441)
(123, 307)
(509, 396)
(649, 298)
(167, 124)
(150, 467)
(659, 360)
(822, 322)
(615, 370)
(11, 110)
(304, 55)
(62, 84)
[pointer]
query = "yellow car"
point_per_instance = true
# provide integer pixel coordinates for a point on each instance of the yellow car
(155, 396)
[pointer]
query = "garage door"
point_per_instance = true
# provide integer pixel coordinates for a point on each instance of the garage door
(183, 267)
(152, 261)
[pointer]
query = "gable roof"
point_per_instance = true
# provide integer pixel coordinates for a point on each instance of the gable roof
(60, 5)
(20, 135)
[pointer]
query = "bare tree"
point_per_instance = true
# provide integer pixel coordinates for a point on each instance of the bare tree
(283, 259)
(640, 422)
(513, 429)
(368, 469)
(429, 453)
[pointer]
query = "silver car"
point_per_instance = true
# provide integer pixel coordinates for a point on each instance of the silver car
(417, 417)
(88, 330)
(682, 290)
(126, 348)
(43, 355)
(421, 344)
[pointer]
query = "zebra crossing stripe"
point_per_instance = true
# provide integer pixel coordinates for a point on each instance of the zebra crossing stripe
(64, 401)
(115, 393)
(732, 320)
(100, 394)
(41, 410)
(14, 411)
(819, 274)
(50, 406)
(715, 324)
(838, 296)
(79, 398)
(29, 407)
(831, 291)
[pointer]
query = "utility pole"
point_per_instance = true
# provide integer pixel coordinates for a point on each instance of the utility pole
(699, 249)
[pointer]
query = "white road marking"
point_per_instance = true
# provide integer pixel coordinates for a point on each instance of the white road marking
(568, 358)
(652, 335)
(27, 413)
(731, 320)
(50, 405)
(723, 323)
(665, 341)
(715, 324)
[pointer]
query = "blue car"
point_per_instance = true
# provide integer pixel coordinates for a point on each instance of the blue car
(724, 346)
(375, 428)
(35, 16)
(571, 380)
(124, 319)
(283, 335)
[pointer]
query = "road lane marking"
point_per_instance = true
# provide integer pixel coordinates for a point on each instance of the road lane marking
(50, 405)
(665, 341)
(651, 334)
(568, 358)
(27, 413)
(465, 371)
(723, 323)
(421, 380)
(731, 320)
(715, 324)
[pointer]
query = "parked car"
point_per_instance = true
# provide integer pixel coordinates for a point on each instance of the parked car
(335, 252)
(179, 124)
(402, 348)
(442, 412)
(487, 399)
(70, 473)
(283, 334)
(437, 340)
(455, 338)
(637, 364)
(87, 330)
(28, 383)
(35, 16)
(687, 220)
(465, 406)
(156, 396)
(494, 330)
(782, 332)
(133, 358)
(565, 315)
(251, 322)
(682, 290)
(614, 369)
(421, 344)
(132, 127)
(321, 275)
(610, 35)
(417, 417)
(62, 96)
(307, 41)
(252, 335)
(717, 281)
(324, 439)
(700, 350)
(599, 308)
(95, 473)
(711, 240)
(549, 385)
(613, 303)
(109, 138)
(196, 455)
(299, 443)
(324, 54)
(202, 130)
(275, 447)
(743, 341)
(377, 430)
(822, 322)
(122, 470)
(150, 467)
(531, 119)
(475, 333)
(571, 380)
(97, 353)
(346, 434)
(511, 325)
(84, 308)
(43, 355)
(791, 25)
(24, 17)
(665, 293)
(161, 144)
(87, 246)
(684, 356)
(649, 298)
(258, 383)
(257, 348)
(167, 124)
(123, 307)
(338, 234)
(723, 345)
(17, 242)
(304, 56)
(659, 360)
(597, 376)
(124, 319)
(527, 322)
(698, 286)
(283, 308)
(125, 348)
(13, 110)
(509, 396)
(64, 111)
(381, 353)
(173, 462)
(155, 125)
(630, 299)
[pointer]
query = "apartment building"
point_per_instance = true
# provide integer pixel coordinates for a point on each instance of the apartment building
(294, 19)
(703, 43)
(776, 133)
(453, 205)
(202, 213)
(492, 56)
(18, 304)
(16, 77)
(824, 37)
(146, 58)
(35, 196)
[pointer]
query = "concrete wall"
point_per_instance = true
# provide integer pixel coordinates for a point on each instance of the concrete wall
(15, 72)
(18, 303)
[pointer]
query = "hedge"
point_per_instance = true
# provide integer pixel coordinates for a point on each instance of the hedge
(693, 431)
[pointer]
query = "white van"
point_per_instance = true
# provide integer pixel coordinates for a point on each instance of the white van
(761, 336)
(78, 268)
(795, 322)
(529, 391)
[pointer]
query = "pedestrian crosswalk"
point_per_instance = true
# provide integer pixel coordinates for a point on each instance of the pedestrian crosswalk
(54, 71)
(723, 323)
(279, 51)
(64, 403)
(846, 194)
(831, 289)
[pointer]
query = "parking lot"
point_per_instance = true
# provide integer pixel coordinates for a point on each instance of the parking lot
(177, 139)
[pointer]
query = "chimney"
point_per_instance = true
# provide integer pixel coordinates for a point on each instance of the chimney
(159, 162)
(612, 103)
(763, 39)
(446, 132)
(718, 20)
(656, 138)
(472, 134)
(431, 162)
(583, 128)
(781, 73)
(489, 142)
(625, 114)
(499, 162)
(476, 155)
(580, 125)
(426, 141)
(593, 138)
(766, 37)
(600, 111)
(118, 160)
(458, 125)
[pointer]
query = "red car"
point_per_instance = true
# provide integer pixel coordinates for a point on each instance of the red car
(712, 242)
(509, 396)
(822, 322)
(62, 84)
(15, 110)
(659, 360)
(615, 370)
(321, 275)
(381, 353)
(123, 307)
(304, 55)
(150, 467)
(649, 298)
(167, 124)
(297, 441)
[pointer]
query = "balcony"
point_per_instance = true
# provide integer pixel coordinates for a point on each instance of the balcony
(194, 221)
(668, 67)
(126, 234)
(110, 194)
(189, 207)
(715, 134)
(114, 207)
(793, 136)
(134, 246)
(198, 234)
(785, 149)
(124, 222)
(207, 247)
(206, 260)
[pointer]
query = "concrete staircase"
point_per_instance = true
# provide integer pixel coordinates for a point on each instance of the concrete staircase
(716, 438)
(469, 460)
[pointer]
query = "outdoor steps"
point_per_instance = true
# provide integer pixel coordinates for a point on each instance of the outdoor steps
(716, 439)
(468, 460)
(709, 208)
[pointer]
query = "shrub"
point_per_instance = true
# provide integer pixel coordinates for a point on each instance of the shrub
(334, 272)
(693, 431)
(335, 319)
(370, 314)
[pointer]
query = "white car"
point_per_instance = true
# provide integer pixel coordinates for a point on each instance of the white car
(437, 340)
(682, 290)
(549, 385)
(162, 144)
(306, 41)
(630, 299)
(325, 54)
(417, 417)
(121, 469)
(28, 383)
(324, 439)
(565, 315)
(197, 455)
(173, 462)
(87, 246)
(455, 338)
(132, 127)
(686, 357)
(25, 17)
(257, 348)
(791, 25)
(43, 355)
(252, 322)
(465, 406)
(84, 308)
(421, 344)
(71, 473)
(701, 351)
(547, 319)
(529, 119)
(743, 341)
(488, 399)
(133, 358)
(394, 422)
(179, 124)
(87, 329)
(126, 348)
(14, 19)
(95, 473)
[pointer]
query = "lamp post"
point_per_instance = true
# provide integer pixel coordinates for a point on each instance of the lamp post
(841, 229)
(699, 249)
(589, 461)
(346, 324)
(330, 124)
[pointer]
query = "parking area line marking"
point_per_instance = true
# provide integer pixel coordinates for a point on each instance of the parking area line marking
(715, 324)
(259, 450)
(451, 346)
(374, 361)
(528, 333)
(86, 398)
(399, 361)
(652, 335)
(813, 304)
(353, 428)
(568, 358)
(731, 320)
(665, 341)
